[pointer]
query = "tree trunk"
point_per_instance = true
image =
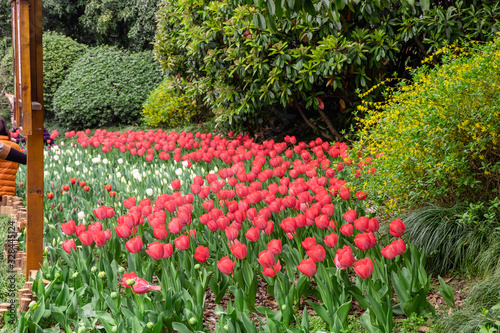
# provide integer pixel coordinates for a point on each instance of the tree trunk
(336, 135)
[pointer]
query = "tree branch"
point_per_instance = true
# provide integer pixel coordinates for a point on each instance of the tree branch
(323, 133)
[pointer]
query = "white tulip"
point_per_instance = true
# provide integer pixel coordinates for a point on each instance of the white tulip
(149, 192)
(81, 215)
(120, 161)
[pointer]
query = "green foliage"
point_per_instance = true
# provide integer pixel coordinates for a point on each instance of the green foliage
(453, 238)
(167, 106)
(106, 85)
(59, 55)
(243, 59)
(126, 23)
(437, 137)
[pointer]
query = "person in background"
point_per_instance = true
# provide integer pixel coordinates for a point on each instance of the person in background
(8, 168)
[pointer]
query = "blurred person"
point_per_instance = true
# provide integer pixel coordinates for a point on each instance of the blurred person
(11, 156)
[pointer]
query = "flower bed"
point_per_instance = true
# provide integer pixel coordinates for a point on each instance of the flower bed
(139, 225)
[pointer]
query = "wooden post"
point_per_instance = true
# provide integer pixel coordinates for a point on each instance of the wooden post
(28, 57)
(33, 129)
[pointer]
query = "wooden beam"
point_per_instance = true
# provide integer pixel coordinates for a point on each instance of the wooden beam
(34, 139)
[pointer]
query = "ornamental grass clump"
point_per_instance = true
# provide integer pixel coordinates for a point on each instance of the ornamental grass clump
(437, 138)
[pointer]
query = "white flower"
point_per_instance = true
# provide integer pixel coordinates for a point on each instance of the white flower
(118, 174)
(77, 163)
(96, 160)
(56, 157)
(46, 174)
(120, 161)
(105, 161)
(185, 164)
(45, 153)
(178, 172)
(69, 169)
(81, 215)
(149, 192)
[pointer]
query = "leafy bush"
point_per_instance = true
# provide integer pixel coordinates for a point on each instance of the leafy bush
(106, 85)
(438, 136)
(168, 106)
(59, 55)
(244, 58)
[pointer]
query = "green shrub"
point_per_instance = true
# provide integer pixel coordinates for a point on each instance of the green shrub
(460, 238)
(167, 105)
(438, 137)
(106, 85)
(59, 55)
(6, 79)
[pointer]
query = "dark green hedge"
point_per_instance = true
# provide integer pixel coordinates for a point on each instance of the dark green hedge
(107, 85)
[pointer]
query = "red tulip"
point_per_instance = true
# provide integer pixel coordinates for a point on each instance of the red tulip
(176, 184)
(155, 250)
(271, 271)
(80, 229)
(253, 234)
(360, 195)
(50, 195)
(307, 267)
(364, 268)
(308, 243)
(328, 210)
(160, 232)
(123, 230)
(201, 253)
(389, 252)
(225, 265)
(344, 258)
(270, 227)
(266, 259)
(350, 215)
(363, 241)
(322, 221)
(288, 225)
(208, 205)
(69, 228)
(317, 253)
(168, 249)
(65, 187)
(275, 246)
(86, 238)
(239, 250)
(347, 230)
(400, 246)
(68, 245)
(373, 225)
(100, 238)
(361, 223)
(100, 212)
(331, 240)
(110, 212)
(182, 242)
(134, 245)
(95, 227)
(231, 233)
(397, 228)
(344, 193)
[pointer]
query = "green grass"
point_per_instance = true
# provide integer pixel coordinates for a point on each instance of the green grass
(453, 238)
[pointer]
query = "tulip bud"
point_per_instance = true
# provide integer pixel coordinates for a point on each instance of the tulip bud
(192, 321)
(114, 295)
(102, 274)
(46, 250)
(32, 305)
(197, 266)
(130, 282)
(57, 275)
(121, 270)
(283, 307)
(114, 329)
(93, 269)
(149, 325)
(54, 242)
(75, 275)
(51, 226)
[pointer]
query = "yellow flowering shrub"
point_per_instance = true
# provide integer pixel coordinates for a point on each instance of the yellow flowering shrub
(167, 106)
(437, 138)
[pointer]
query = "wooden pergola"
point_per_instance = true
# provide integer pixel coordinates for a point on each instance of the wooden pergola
(28, 115)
